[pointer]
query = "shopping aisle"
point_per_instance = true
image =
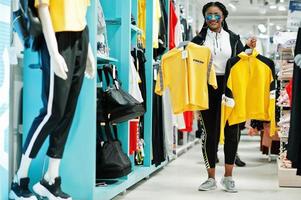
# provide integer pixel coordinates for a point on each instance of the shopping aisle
(181, 178)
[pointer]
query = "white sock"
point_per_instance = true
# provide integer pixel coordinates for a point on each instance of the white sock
(53, 170)
(23, 169)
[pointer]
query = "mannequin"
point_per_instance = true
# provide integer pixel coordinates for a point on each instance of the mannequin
(66, 56)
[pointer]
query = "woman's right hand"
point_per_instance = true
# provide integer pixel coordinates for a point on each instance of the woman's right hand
(59, 66)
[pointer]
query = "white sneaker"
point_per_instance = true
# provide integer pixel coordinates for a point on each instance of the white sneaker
(209, 184)
(228, 184)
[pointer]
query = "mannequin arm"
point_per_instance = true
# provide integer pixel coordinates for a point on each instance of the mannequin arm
(57, 62)
(298, 60)
(91, 65)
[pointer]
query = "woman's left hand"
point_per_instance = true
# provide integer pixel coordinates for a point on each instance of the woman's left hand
(251, 42)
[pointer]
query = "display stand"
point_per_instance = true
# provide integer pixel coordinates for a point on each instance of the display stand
(286, 176)
(78, 168)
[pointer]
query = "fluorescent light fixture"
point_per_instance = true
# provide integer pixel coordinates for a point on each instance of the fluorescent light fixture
(281, 1)
(273, 7)
(278, 28)
(262, 28)
(282, 8)
(271, 24)
(232, 6)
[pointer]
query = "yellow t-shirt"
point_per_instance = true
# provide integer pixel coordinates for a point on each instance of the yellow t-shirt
(66, 15)
(187, 76)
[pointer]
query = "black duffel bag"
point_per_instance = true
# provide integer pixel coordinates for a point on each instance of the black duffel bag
(118, 105)
(111, 161)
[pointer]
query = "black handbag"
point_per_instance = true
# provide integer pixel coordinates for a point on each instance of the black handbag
(111, 161)
(119, 105)
(26, 22)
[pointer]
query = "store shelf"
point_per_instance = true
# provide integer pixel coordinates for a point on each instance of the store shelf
(139, 173)
(102, 59)
(114, 21)
(287, 176)
(136, 29)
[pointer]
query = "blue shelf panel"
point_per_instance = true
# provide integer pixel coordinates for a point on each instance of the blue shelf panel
(104, 59)
(135, 29)
(138, 174)
(115, 21)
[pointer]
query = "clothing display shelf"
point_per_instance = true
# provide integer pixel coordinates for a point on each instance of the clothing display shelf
(105, 60)
(78, 166)
(286, 176)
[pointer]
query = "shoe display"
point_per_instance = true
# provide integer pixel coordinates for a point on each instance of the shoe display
(52, 192)
(239, 162)
(209, 184)
(228, 184)
(21, 191)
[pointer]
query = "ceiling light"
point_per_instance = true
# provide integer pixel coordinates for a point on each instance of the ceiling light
(281, 1)
(262, 28)
(271, 24)
(232, 6)
(272, 7)
(282, 8)
(278, 28)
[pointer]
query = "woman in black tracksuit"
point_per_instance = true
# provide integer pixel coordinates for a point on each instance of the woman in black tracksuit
(224, 44)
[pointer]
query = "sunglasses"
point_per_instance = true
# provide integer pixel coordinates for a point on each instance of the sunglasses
(213, 17)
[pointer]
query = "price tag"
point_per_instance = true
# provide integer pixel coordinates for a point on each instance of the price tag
(184, 54)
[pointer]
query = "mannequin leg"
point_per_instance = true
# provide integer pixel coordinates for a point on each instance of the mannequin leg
(53, 170)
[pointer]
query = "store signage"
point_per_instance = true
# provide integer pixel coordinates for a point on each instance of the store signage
(294, 15)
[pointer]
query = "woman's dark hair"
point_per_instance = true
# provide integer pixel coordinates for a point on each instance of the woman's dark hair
(222, 7)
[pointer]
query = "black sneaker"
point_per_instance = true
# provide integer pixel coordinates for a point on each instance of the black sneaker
(21, 192)
(239, 162)
(52, 192)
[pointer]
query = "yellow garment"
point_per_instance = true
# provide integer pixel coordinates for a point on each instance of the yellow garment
(142, 19)
(250, 91)
(156, 24)
(187, 74)
(66, 15)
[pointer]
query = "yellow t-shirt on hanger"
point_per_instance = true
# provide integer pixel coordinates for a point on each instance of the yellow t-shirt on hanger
(142, 19)
(66, 15)
(187, 74)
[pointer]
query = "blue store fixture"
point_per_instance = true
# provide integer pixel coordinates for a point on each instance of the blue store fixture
(78, 167)
(4, 99)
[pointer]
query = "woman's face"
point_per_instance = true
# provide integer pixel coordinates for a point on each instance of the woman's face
(214, 17)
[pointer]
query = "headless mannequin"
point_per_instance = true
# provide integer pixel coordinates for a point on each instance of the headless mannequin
(60, 69)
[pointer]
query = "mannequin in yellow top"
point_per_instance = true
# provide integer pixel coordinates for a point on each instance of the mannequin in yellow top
(66, 58)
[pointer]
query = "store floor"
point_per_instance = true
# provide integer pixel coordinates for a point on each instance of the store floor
(181, 178)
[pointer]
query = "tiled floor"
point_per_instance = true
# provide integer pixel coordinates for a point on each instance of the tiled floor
(181, 178)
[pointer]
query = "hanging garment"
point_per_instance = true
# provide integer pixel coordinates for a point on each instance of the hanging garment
(162, 31)
(186, 73)
(173, 20)
(246, 77)
(142, 19)
(134, 80)
(294, 139)
(188, 117)
(157, 131)
(156, 24)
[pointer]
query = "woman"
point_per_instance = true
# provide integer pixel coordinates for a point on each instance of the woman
(224, 44)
